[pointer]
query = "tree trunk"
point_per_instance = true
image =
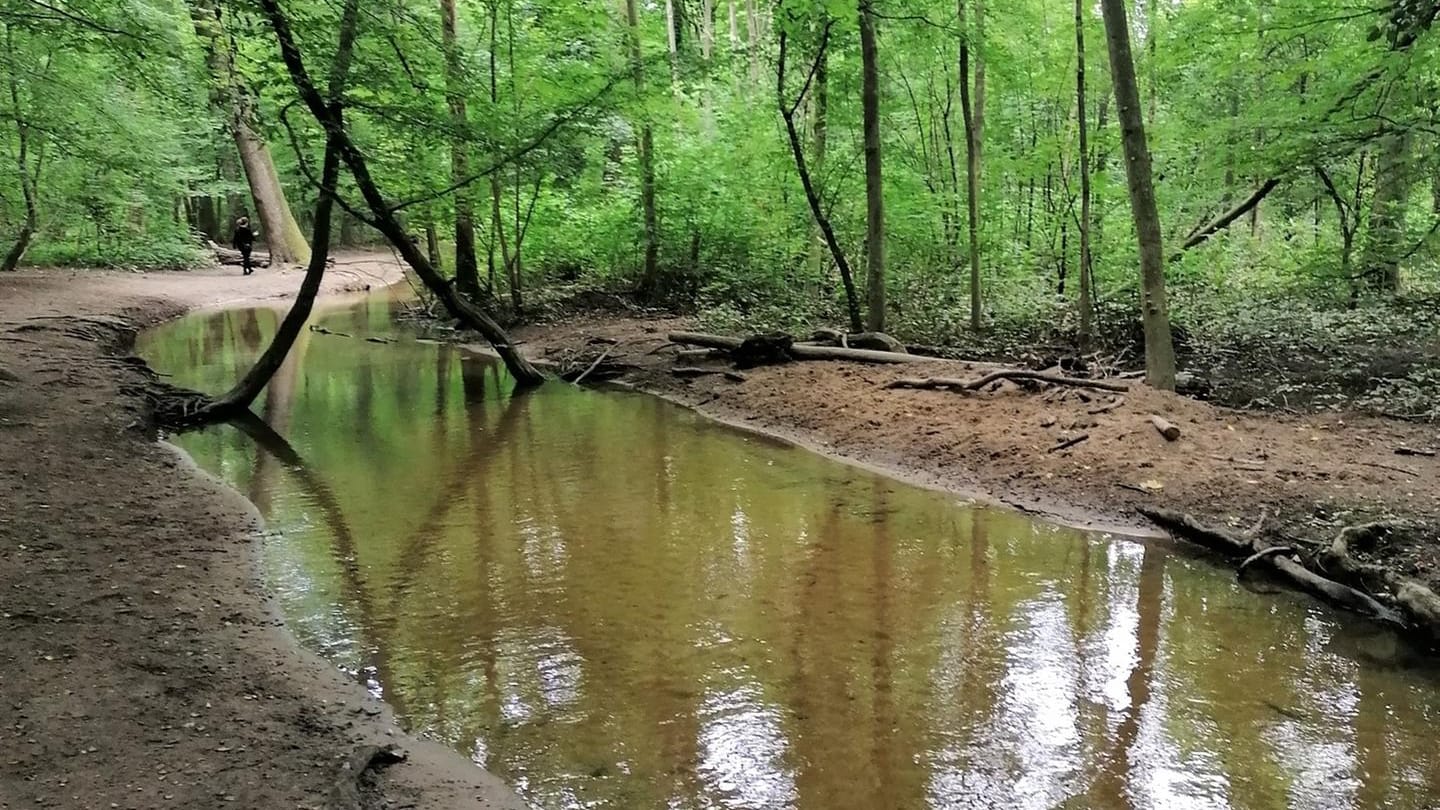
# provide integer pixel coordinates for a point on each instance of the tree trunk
(467, 267)
(707, 30)
(1385, 241)
(672, 42)
(28, 180)
(819, 134)
(972, 108)
(460, 307)
(237, 400)
(1087, 305)
(278, 227)
(752, 30)
(874, 186)
(432, 244)
(650, 275)
(812, 195)
(1159, 346)
(207, 219)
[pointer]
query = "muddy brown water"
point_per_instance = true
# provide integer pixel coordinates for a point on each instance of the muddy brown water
(611, 602)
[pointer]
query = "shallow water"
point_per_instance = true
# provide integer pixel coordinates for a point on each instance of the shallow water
(611, 602)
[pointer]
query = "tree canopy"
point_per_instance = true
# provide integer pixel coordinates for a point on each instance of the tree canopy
(639, 146)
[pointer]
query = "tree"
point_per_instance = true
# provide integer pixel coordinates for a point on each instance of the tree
(231, 95)
(973, 109)
(237, 400)
(797, 149)
(1087, 272)
(1159, 344)
(874, 179)
(467, 268)
(650, 275)
(382, 212)
(27, 168)
(1386, 243)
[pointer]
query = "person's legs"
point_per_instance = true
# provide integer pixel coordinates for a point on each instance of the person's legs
(245, 261)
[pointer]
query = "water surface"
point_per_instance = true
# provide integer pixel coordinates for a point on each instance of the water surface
(611, 602)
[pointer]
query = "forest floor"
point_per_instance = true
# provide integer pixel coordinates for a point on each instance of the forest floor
(141, 663)
(1310, 474)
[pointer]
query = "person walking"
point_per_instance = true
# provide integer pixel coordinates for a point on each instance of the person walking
(244, 241)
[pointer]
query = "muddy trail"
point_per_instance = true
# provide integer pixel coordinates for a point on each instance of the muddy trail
(142, 664)
(1082, 457)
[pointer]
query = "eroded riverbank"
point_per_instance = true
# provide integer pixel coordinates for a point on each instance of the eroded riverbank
(143, 665)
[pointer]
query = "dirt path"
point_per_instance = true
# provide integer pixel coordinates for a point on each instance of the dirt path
(1312, 474)
(141, 665)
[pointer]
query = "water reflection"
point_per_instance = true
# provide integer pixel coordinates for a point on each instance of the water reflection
(612, 603)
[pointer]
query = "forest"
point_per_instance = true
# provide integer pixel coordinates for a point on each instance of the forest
(1116, 487)
(1251, 187)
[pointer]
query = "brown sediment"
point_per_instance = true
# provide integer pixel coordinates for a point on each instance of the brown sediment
(141, 663)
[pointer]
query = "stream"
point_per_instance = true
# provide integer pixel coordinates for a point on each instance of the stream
(610, 601)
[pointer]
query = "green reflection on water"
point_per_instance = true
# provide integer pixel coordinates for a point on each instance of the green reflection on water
(611, 602)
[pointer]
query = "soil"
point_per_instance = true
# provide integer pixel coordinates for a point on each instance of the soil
(1308, 475)
(142, 665)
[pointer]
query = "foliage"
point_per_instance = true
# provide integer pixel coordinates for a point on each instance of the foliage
(1317, 95)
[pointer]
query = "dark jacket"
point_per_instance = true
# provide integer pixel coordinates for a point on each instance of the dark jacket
(244, 238)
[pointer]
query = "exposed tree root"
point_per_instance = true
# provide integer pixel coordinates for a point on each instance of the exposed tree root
(1333, 575)
(950, 383)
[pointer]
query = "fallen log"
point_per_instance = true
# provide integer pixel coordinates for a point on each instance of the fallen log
(798, 351)
(231, 256)
(877, 341)
(1419, 604)
(1252, 553)
(1168, 429)
(943, 383)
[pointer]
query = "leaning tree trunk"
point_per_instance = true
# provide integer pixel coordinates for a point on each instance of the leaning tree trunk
(812, 194)
(1159, 345)
(237, 400)
(27, 230)
(28, 180)
(874, 183)
(462, 308)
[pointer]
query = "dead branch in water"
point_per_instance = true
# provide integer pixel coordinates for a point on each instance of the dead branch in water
(594, 365)
(950, 383)
(1235, 546)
